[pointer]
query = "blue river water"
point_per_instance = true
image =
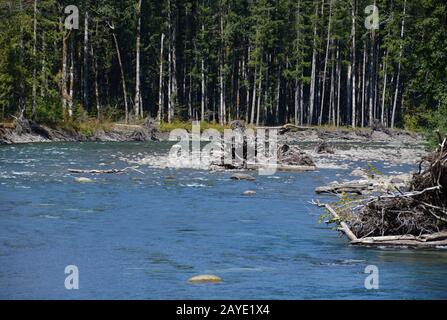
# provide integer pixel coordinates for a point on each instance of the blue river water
(142, 236)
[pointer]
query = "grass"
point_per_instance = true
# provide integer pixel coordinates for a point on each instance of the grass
(168, 127)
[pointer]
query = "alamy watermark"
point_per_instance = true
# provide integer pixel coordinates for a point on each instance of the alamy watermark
(372, 21)
(72, 280)
(235, 148)
(372, 280)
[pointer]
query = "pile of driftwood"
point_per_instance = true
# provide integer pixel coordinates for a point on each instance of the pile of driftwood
(417, 217)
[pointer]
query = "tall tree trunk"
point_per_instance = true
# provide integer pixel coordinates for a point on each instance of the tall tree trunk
(138, 102)
(396, 93)
(21, 83)
(385, 78)
(203, 90)
(296, 102)
(72, 79)
(363, 84)
(95, 71)
(338, 83)
(328, 40)
(253, 105)
(278, 96)
(86, 86)
(372, 77)
(34, 93)
(353, 70)
(170, 85)
(258, 111)
(332, 94)
(44, 86)
(222, 114)
(64, 93)
(160, 89)
(123, 78)
(313, 73)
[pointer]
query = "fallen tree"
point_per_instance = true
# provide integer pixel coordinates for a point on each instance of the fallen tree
(107, 171)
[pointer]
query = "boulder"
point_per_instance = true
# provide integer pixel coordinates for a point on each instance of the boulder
(83, 180)
(358, 173)
(249, 193)
(205, 278)
(242, 176)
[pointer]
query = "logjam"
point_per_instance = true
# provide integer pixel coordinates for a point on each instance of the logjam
(415, 218)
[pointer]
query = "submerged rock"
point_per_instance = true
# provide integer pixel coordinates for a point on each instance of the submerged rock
(242, 176)
(83, 180)
(358, 173)
(249, 193)
(205, 278)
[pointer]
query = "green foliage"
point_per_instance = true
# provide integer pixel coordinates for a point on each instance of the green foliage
(235, 38)
(372, 171)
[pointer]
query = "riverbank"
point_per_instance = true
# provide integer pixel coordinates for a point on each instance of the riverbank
(26, 131)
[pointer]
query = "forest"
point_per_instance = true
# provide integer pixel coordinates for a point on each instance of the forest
(356, 63)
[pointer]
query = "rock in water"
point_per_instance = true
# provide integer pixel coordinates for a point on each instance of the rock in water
(249, 193)
(83, 180)
(242, 176)
(358, 173)
(205, 278)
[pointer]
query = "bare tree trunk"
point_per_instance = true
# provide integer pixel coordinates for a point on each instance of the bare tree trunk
(338, 84)
(320, 119)
(64, 93)
(247, 92)
(21, 84)
(86, 86)
(71, 94)
(95, 67)
(363, 84)
(332, 94)
(34, 93)
(371, 82)
(296, 102)
(278, 96)
(298, 85)
(123, 78)
(222, 115)
(253, 106)
(169, 85)
(396, 94)
(302, 102)
(385, 78)
(138, 102)
(160, 90)
(203, 91)
(353, 70)
(44, 86)
(313, 73)
(258, 112)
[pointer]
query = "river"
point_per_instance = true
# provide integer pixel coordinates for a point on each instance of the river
(142, 236)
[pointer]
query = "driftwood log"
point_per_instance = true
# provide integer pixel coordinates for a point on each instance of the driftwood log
(108, 171)
(350, 187)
